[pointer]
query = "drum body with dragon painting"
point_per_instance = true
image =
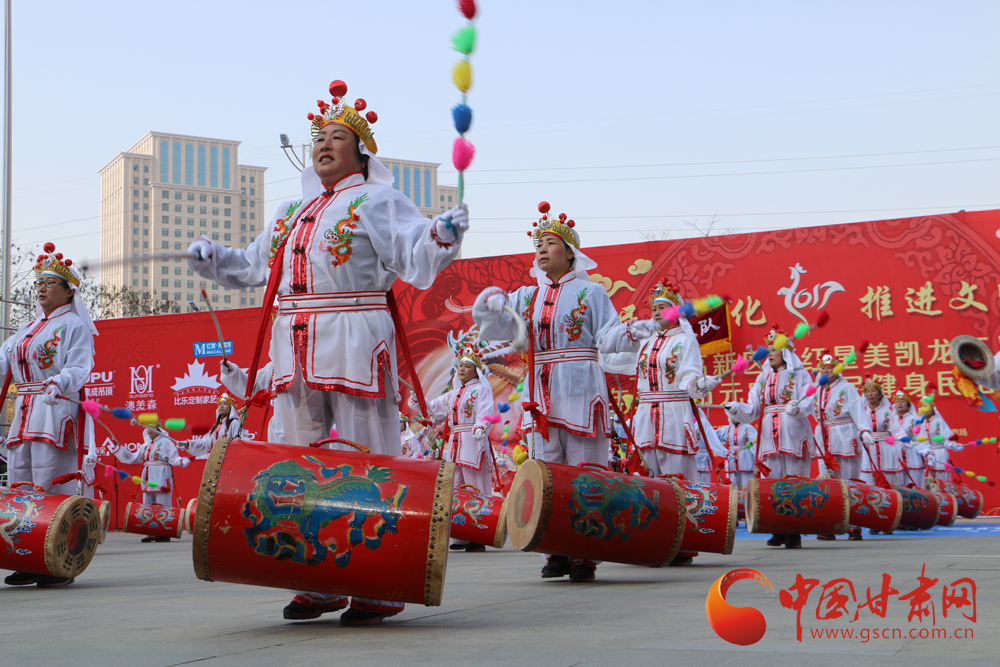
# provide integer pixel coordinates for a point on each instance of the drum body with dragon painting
(329, 521)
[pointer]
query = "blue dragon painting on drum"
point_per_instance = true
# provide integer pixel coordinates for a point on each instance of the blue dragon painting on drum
(608, 507)
(876, 501)
(288, 496)
(797, 497)
(702, 501)
(17, 509)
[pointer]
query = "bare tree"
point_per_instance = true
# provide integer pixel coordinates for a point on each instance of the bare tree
(704, 229)
(103, 301)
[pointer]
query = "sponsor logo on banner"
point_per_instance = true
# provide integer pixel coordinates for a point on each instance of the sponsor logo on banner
(140, 395)
(101, 385)
(196, 387)
(212, 348)
(816, 297)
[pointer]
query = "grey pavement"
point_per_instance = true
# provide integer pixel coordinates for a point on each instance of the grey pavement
(140, 605)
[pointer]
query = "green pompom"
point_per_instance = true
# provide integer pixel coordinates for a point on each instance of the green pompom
(714, 301)
(464, 41)
(981, 478)
(801, 330)
(520, 387)
(175, 424)
(938, 438)
(851, 358)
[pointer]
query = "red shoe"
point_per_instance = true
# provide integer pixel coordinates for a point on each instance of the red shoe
(301, 609)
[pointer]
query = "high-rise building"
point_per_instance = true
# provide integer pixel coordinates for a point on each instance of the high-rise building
(419, 182)
(162, 193)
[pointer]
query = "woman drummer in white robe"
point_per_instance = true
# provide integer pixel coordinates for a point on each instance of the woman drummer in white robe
(568, 316)
(669, 375)
(466, 407)
(939, 436)
(335, 254)
(50, 357)
(904, 425)
(878, 412)
(158, 454)
(227, 425)
(785, 437)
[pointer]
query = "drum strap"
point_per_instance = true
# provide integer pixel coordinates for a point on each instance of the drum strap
(628, 429)
(704, 436)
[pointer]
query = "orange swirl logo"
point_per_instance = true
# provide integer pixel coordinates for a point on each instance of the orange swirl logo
(737, 625)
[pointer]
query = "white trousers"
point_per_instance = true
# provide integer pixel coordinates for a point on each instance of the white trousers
(565, 447)
(918, 475)
(157, 498)
(850, 468)
(40, 463)
(785, 464)
(661, 462)
(480, 479)
(307, 415)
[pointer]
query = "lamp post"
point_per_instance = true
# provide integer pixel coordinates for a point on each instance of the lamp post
(289, 149)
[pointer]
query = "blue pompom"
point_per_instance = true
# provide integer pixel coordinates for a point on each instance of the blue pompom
(503, 407)
(463, 118)
(760, 354)
(979, 442)
(121, 413)
(122, 475)
(823, 380)
(959, 471)
(687, 309)
(906, 438)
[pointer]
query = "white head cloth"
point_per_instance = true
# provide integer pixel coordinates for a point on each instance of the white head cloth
(582, 265)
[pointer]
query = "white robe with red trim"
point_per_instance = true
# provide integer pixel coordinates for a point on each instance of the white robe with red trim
(840, 418)
(58, 348)
(770, 395)
(880, 422)
(570, 319)
(741, 441)
(669, 365)
(360, 239)
(936, 426)
(914, 451)
(158, 455)
(466, 409)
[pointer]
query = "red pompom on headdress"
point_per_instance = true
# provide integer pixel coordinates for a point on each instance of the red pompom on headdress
(342, 114)
(665, 291)
(53, 264)
(560, 227)
(773, 333)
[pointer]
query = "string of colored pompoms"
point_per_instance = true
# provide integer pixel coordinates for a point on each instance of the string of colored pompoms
(463, 41)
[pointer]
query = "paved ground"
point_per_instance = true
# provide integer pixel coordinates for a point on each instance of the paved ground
(140, 605)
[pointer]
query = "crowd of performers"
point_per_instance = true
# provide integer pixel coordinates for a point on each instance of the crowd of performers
(329, 261)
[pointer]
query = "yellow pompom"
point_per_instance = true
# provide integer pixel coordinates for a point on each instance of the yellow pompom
(700, 306)
(781, 342)
(461, 74)
(838, 369)
(513, 396)
(137, 480)
(969, 473)
(924, 410)
(148, 418)
(922, 438)
(520, 455)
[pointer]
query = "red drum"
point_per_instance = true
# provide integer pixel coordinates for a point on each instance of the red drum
(920, 508)
(478, 518)
(326, 521)
(970, 501)
(874, 507)
(949, 508)
(595, 513)
(711, 516)
(797, 505)
(153, 520)
(104, 511)
(47, 533)
(189, 513)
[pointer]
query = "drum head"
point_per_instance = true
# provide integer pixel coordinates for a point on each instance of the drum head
(501, 536)
(189, 513)
(72, 537)
(750, 504)
(529, 503)
(104, 511)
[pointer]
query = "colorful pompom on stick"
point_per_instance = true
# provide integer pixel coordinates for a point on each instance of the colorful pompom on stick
(801, 329)
(122, 475)
(780, 342)
(980, 478)
(890, 440)
(121, 413)
(937, 438)
(462, 115)
(838, 369)
(823, 380)
(493, 419)
(851, 358)
(462, 153)
(148, 418)
(175, 424)
(514, 396)
(92, 408)
(761, 354)
(810, 390)
(503, 407)
(136, 479)
(741, 365)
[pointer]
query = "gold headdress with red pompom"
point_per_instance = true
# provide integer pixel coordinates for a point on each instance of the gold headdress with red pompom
(899, 393)
(53, 264)
(665, 291)
(828, 358)
(560, 227)
(225, 398)
(773, 333)
(470, 354)
(342, 114)
(870, 381)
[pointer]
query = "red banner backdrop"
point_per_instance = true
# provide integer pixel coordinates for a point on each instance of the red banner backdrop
(907, 286)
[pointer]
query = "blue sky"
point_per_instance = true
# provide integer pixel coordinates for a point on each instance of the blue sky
(634, 118)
